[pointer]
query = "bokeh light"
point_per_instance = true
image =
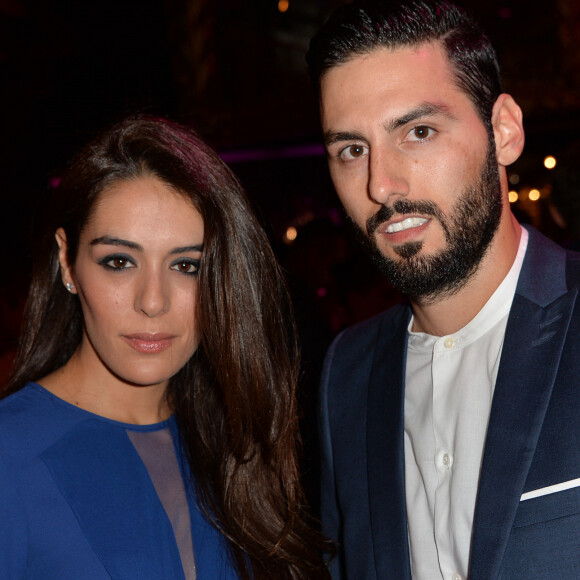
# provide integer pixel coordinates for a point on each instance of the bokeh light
(291, 234)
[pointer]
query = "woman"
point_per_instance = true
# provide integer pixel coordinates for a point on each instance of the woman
(150, 425)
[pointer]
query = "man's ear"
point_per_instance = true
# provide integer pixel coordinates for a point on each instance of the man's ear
(65, 268)
(508, 129)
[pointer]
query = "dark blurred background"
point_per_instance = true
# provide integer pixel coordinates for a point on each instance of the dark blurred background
(235, 71)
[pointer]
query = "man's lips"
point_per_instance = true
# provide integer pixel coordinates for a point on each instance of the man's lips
(149, 343)
(405, 224)
(400, 211)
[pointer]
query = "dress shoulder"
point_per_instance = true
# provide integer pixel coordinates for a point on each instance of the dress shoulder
(31, 420)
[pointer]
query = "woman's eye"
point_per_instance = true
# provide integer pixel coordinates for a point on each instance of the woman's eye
(353, 152)
(186, 266)
(116, 262)
(420, 133)
(119, 262)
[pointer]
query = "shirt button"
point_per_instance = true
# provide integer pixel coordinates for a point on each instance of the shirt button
(456, 576)
(447, 463)
(449, 342)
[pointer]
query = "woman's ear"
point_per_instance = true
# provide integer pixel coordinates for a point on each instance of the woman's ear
(65, 268)
(508, 129)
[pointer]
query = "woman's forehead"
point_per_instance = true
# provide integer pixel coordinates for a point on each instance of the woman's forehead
(144, 204)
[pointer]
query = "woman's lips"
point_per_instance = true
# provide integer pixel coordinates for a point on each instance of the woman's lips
(149, 343)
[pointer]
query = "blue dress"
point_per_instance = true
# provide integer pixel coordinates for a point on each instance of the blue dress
(77, 502)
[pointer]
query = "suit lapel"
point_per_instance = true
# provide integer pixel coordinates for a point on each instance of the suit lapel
(385, 450)
(535, 335)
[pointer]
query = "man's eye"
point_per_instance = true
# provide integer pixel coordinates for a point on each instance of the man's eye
(420, 133)
(353, 152)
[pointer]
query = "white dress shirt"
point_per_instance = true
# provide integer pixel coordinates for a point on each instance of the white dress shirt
(449, 388)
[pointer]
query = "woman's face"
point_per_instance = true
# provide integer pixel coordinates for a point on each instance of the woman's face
(136, 278)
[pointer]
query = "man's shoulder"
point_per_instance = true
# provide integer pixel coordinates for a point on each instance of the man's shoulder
(549, 270)
(573, 269)
(368, 330)
(355, 346)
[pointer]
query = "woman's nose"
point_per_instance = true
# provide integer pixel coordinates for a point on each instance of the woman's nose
(151, 295)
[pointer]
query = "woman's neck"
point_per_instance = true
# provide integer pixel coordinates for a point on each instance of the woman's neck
(106, 395)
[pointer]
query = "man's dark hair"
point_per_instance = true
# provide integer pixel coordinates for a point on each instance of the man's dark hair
(366, 25)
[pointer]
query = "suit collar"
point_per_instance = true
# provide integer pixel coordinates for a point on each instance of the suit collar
(385, 449)
(543, 275)
(534, 339)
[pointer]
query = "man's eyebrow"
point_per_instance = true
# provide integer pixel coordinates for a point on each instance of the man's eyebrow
(332, 137)
(111, 241)
(424, 110)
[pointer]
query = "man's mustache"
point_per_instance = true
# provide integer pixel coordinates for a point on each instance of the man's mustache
(401, 207)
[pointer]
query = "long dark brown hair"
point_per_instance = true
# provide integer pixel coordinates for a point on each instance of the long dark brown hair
(234, 400)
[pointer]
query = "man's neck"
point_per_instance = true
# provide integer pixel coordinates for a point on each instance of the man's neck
(451, 313)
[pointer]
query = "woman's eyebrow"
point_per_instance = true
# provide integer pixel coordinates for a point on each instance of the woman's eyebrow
(111, 241)
(184, 249)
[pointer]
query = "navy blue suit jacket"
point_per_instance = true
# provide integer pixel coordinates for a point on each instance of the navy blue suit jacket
(533, 438)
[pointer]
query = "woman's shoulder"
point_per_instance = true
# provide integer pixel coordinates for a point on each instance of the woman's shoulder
(30, 420)
(23, 405)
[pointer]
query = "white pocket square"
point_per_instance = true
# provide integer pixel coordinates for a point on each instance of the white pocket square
(551, 489)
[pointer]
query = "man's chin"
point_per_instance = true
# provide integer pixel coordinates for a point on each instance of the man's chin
(408, 250)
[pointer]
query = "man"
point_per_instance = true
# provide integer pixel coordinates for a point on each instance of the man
(451, 424)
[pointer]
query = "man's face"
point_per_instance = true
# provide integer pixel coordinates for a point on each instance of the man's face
(413, 165)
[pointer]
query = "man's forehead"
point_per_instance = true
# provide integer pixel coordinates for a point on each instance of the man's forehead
(419, 73)
(425, 53)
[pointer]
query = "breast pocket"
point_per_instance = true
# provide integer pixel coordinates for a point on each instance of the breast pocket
(559, 504)
(545, 539)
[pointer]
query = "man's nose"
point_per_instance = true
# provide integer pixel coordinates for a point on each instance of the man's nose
(387, 176)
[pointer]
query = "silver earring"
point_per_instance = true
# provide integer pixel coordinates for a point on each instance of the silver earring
(70, 287)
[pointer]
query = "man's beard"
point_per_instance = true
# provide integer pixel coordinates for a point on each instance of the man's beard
(468, 230)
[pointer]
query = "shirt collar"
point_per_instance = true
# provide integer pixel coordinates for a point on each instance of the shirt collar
(494, 310)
